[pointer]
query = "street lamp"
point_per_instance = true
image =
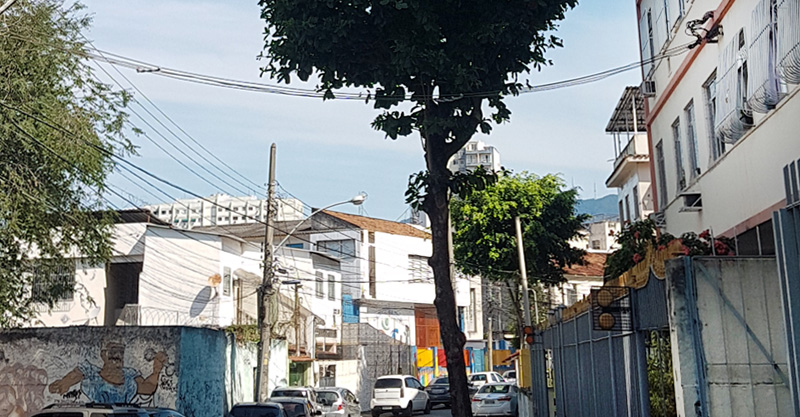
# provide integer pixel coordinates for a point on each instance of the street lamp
(266, 290)
(356, 201)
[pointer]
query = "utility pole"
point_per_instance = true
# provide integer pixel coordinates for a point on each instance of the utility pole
(491, 347)
(266, 291)
(297, 321)
(526, 301)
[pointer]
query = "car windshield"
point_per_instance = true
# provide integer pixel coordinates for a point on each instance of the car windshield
(293, 409)
(512, 375)
(255, 411)
(389, 383)
(441, 381)
(494, 389)
(288, 393)
(327, 397)
(479, 377)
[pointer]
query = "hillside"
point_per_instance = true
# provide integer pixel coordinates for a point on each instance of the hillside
(603, 206)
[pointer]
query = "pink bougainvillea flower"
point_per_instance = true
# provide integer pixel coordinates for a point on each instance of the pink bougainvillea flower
(704, 234)
(661, 247)
(637, 258)
(636, 234)
(685, 250)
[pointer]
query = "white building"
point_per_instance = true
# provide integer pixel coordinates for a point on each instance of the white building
(599, 236)
(223, 209)
(722, 117)
(474, 154)
(631, 172)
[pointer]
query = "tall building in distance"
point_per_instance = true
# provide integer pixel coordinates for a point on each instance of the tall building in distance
(474, 154)
(223, 209)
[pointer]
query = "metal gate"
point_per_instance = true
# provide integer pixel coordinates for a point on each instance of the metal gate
(786, 224)
(605, 373)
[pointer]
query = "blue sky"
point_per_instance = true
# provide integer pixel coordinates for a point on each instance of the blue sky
(327, 151)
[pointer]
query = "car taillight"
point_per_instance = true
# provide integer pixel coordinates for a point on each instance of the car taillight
(476, 400)
(402, 392)
(340, 407)
(504, 398)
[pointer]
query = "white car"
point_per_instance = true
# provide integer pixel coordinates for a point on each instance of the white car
(480, 378)
(510, 376)
(496, 400)
(399, 394)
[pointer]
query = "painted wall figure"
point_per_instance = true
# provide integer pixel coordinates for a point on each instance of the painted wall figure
(21, 388)
(112, 382)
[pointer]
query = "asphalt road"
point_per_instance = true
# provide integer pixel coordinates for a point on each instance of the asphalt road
(437, 411)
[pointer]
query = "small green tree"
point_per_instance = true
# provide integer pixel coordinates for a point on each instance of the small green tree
(449, 60)
(485, 238)
(51, 182)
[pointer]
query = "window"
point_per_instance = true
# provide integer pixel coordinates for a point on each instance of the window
(295, 245)
(636, 214)
(661, 175)
(691, 136)
(473, 310)
(418, 268)
(621, 212)
(650, 39)
(710, 95)
(340, 248)
(596, 245)
(676, 136)
(331, 287)
(319, 290)
(53, 279)
(226, 281)
(373, 281)
(388, 383)
(628, 208)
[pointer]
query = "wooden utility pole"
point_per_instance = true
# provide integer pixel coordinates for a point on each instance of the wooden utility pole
(266, 291)
(297, 321)
(525, 297)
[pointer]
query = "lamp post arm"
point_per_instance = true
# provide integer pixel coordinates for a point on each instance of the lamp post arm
(297, 226)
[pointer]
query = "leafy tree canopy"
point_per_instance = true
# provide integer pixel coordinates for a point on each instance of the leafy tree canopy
(485, 237)
(51, 181)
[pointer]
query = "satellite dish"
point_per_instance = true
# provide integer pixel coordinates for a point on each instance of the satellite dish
(93, 313)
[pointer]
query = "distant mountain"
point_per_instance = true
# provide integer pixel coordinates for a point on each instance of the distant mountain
(603, 206)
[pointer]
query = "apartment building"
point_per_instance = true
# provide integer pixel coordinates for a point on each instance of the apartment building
(721, 98)
(631, 172)
(474, 154)
(223, 209)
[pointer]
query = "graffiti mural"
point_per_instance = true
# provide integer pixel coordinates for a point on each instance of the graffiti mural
(394, 324)
(69, 365)
(112, 382)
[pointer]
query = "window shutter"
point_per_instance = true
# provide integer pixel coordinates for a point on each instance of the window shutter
(763, 87)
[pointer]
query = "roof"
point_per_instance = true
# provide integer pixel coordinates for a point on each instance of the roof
(595, 265)
(379, 225)
(137, 216)
(622, 119)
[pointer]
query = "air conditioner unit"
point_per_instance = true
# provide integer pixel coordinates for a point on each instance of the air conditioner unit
(648, 88)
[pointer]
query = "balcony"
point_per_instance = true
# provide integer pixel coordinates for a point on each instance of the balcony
(626, 163)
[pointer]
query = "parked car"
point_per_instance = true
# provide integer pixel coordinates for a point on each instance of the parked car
(297, 392)
(338, 402)
(268, 409)
(439, 391)
(296, 407)
(496, 399)
(480, 378)
(510, 376)
(399, 394)
(162, 412)
(90, 409)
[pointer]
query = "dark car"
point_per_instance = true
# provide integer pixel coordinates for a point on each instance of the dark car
(439, 391)
(296, 407)
(162, 412)
(269, 409)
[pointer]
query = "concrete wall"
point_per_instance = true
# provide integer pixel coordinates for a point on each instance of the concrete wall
(728, 338)
(199, 372)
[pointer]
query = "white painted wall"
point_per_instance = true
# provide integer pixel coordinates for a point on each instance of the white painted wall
(747, 180)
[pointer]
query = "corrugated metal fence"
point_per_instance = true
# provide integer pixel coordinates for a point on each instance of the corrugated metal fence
(604, 373)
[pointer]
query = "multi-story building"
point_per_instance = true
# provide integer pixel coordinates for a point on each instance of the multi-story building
(631, 172)
(721, 114)
(223, 209)
(473, 155)
(598, 235)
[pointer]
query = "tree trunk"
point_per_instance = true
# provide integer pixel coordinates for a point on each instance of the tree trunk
(436, 205)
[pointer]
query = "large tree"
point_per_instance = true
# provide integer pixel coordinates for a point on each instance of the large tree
(485, 238)
(431, 66)
(58, 125)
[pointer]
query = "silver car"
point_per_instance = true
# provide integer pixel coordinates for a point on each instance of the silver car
(338, 402)
(498, 399)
